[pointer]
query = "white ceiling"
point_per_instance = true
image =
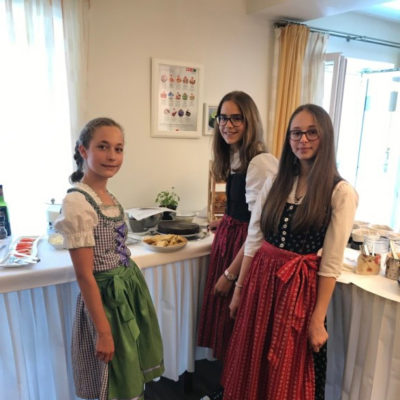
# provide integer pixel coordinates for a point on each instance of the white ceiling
(305, 10)
(389, 11)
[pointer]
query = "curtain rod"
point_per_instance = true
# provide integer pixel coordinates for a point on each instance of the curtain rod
(343, 35)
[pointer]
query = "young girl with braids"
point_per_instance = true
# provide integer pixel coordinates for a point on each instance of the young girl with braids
(277, 350)
(116, 342)
(240, 159)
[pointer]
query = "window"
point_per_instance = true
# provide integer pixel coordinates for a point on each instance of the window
(36, 158)
(368, 145)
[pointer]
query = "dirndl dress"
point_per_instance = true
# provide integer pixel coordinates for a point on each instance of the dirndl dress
(215, 325)
(138, 356)
(269, 356)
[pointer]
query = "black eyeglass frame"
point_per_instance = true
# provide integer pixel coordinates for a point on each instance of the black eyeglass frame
(225, 118)
(307, 132)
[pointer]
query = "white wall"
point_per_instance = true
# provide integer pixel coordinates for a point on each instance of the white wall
(361, 25)
(235, 50)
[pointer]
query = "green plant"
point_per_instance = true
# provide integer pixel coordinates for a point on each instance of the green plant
(167, 198)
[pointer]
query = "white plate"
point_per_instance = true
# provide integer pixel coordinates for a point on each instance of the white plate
(167, 249)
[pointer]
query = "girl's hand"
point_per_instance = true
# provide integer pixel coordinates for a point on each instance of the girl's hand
(223, 286)
(213, 225)
(317, 334)
(233, 307)
(105, 347)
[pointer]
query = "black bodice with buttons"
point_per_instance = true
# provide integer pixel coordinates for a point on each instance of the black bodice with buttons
(302, 243)
(236, 206)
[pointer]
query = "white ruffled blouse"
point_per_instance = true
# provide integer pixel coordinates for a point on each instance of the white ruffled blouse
(261, 167)
(78, 218)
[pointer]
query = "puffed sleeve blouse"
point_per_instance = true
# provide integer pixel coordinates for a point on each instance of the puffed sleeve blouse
(78, 218)
(261, 167)
(344, 204)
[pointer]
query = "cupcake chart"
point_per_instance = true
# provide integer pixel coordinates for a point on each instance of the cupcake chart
(178, 97)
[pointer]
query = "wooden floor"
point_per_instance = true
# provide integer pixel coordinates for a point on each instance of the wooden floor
(194, 386)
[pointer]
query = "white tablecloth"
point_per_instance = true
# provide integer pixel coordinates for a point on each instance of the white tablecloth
(364, 336)
(37, 305)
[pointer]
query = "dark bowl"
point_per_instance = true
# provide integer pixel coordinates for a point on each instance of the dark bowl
(144, 224)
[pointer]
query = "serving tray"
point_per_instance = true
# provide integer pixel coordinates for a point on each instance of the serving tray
(21, 252)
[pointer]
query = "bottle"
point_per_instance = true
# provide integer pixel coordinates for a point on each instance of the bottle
(4, 212)
(3, 231)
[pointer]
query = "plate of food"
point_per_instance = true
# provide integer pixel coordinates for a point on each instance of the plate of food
(165, 243)
(21, 252)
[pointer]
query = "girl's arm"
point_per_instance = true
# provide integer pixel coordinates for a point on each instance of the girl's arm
(82, 259)
(317, 333)
(223, 285)
(234, 305)
(253, 242)
(344, 205)
(260, 168)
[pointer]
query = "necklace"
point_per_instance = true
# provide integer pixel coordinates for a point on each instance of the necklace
(297, 199)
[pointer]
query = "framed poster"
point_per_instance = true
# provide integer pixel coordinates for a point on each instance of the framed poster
(209, 115)
(176, 99)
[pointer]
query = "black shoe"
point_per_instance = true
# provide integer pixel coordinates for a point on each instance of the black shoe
(217, 395)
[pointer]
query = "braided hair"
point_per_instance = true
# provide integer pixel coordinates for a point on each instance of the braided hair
(85, 138)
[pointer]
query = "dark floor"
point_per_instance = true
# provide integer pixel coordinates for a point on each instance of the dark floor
(194, 386)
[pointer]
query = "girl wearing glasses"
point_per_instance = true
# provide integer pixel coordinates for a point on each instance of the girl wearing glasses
(277, 350)
(240, 159)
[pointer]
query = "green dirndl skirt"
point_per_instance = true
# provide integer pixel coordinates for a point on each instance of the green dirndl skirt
(138, 356)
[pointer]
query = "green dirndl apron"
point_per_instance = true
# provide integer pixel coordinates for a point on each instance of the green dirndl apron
(138, 356)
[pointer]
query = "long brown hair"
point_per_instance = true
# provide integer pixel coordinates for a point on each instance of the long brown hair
(323, 176)
(251, 144)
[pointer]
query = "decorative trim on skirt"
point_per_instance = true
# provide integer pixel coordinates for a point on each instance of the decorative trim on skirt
(269, 356)
(215, 326)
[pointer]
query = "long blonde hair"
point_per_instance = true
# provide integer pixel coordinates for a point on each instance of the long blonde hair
(251, 144)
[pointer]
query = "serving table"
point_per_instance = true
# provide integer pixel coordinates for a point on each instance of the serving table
(364, 336)
(37, 306)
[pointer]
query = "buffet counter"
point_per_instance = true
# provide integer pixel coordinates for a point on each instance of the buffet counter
(364, 336)
(37, 306)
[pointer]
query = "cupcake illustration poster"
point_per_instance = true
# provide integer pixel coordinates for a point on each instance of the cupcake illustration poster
(175, 99)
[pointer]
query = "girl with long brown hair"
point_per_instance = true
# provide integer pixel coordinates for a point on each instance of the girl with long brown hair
(277, 349)
(240, 159)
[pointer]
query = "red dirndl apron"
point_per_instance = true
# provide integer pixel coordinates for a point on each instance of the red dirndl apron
(269, 356)
(215, 326)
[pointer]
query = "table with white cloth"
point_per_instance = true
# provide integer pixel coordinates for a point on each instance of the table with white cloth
(364, 336)
(37, 306)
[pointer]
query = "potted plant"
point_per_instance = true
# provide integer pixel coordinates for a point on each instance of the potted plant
(168, 199)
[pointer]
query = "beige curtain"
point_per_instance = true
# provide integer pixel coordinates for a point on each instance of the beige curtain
(292, 43)
(75, 25)
(313, 69)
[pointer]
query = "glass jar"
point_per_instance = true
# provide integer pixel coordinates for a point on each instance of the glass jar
(377, 247)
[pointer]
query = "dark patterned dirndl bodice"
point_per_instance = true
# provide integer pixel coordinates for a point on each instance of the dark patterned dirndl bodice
(302, 243)
(110, 250)
(236, 206)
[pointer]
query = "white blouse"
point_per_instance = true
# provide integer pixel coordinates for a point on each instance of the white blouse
(344, 204)
(261, 167)
(78, 218)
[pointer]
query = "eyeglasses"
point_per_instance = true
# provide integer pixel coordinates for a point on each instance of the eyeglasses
(311, 134)
(236, 119)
